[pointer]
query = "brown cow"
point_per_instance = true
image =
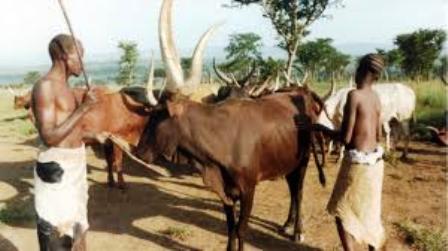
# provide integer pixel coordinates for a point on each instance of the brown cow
(236, 144)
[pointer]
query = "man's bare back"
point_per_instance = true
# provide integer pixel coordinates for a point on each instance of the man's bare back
(361, 122)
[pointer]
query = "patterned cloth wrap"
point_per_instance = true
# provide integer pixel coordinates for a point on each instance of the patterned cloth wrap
(60, 187)
(356, 197)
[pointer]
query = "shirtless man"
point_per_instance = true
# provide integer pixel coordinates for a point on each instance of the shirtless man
(60, 173)
(356, 198)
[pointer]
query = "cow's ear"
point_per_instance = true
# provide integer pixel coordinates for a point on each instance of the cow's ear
(175, 109)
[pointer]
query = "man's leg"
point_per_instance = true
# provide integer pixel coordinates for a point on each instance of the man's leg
(346, 239)
(49, 239)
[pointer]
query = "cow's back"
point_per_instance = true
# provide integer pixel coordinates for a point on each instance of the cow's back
(397, 101)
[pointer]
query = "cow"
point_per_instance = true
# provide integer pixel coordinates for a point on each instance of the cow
(398, 103)
(235, 143)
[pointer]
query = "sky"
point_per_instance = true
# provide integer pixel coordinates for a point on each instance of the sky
(27, 26)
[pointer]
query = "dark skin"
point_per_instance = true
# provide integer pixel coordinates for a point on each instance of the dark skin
(54, 104)
(360, 130)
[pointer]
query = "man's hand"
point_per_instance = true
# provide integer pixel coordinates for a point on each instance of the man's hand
(90, 99)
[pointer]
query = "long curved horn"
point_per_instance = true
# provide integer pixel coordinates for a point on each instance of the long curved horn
(331, 91)
(277, 83)
(195, 75)
(243, 82)
(262, 88)
(305, 77)
(168, 48)
(150, 84)
(288, 79)
(234, 80)
(221, 75)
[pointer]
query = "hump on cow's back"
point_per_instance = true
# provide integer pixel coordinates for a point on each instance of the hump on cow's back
(136, 93)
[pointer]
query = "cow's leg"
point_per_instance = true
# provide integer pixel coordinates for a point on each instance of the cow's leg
(246, 202)
(341, 154)
(109, 153)
(231, 229)
(298, 225)
(118, 165)
(387, 131)
(292, 180)
(330, 146)
(407, 138)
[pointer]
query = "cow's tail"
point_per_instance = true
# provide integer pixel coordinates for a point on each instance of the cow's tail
(319, 165)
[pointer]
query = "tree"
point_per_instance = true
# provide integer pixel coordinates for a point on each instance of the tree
(290, 19)
(392, 60)
(31, 78)
(320, 56)
(243, 50)
(270, 67)
(186, 64)
(128, 62)
(420, 49)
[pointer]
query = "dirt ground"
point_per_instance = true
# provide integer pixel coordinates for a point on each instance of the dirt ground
(178, 213)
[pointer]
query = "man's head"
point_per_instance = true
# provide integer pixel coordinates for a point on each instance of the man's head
(369, 68)
(62, 48)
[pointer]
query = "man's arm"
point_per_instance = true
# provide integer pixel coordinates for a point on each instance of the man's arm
(348, 121)
(45, 112)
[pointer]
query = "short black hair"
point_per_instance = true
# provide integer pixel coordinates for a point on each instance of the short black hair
(373, 63)
(60, 45)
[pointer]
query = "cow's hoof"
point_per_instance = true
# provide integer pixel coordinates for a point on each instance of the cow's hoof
(111, 183)
(287, 230)
(122, 186)
(407, 160)
(298, 238)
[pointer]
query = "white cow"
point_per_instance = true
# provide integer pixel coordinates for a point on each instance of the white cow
(397, 103)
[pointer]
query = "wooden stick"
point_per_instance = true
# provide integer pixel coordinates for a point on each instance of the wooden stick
(78, 52)
(123, 145)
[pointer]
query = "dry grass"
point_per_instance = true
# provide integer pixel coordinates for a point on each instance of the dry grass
(422, 238)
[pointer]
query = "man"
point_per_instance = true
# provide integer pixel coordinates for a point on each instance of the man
(356, 198)
(60, 173)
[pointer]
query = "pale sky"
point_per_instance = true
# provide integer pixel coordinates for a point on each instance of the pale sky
(27, 26)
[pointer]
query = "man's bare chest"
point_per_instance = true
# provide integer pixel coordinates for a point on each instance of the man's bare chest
(65, 102)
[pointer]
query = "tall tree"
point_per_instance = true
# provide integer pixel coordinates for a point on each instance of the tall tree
(420, 49)
(290, 19)
(320, 56)
(128, 62)
(242, 51)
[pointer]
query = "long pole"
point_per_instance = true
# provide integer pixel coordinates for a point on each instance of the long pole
(78, 52)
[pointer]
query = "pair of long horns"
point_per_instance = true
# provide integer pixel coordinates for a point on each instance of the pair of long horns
(231, 80)
(174, 73)
(170, 55)
(296, 81)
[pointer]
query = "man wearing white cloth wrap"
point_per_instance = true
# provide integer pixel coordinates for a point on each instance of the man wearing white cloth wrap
(60, 172)
(356, 198)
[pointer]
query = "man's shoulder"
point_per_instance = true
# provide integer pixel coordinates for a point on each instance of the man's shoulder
(43, 89)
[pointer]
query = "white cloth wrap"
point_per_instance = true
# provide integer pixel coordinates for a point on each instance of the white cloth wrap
(63, 204)
(370, 158)
(356, 197)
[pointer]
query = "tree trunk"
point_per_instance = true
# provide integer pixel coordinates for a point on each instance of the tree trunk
(291, 58)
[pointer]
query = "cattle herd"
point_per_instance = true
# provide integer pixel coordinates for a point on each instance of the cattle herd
(243, 134)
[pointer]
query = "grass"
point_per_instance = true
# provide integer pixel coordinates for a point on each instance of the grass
(177, 233)
(422, 238)
(432, 103)
(17, 213)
